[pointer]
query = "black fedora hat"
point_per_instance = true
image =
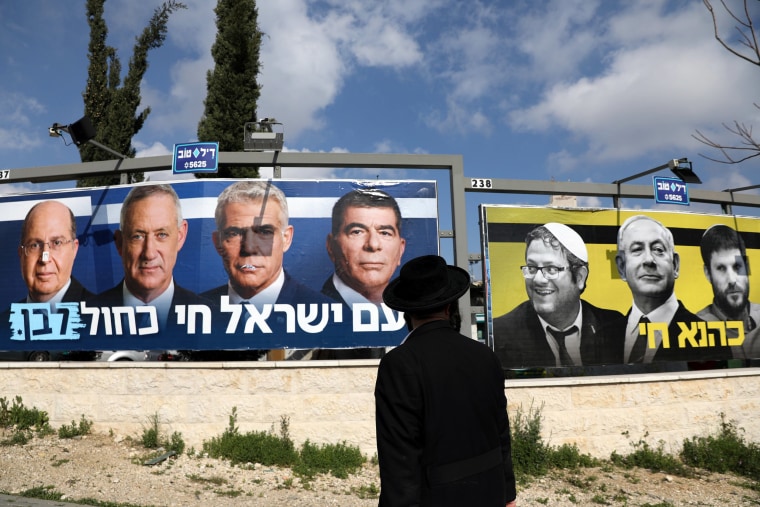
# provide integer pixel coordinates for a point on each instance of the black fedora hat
(425, 283)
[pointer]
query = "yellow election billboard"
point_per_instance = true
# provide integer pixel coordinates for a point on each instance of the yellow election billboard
(560, 291)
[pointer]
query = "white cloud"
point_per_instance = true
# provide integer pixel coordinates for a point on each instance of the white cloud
(654, 91)
(154, 150)
(16, 110)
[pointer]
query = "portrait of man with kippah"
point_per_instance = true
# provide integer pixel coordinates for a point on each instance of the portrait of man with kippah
(554, 327)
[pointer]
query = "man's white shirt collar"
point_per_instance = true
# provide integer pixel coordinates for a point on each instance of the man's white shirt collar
(349, 295)
(268, 295)
(162, 303)
(572, 341)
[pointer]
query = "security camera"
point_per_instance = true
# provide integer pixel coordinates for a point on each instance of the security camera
(53, 131)
(672, 164)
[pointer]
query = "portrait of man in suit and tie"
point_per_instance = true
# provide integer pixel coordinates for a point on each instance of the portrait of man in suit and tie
(252, 235)
(47, 249)
(554, 327)
(365, 246)
(647, 261)
(47, 252)
(151, 234)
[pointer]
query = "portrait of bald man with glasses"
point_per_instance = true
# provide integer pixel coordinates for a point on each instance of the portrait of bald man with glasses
(554, 327)
(47, 251)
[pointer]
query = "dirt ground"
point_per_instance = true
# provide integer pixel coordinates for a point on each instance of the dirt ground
(110, 468)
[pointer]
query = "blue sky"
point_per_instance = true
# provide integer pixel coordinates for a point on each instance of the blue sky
(570, 90)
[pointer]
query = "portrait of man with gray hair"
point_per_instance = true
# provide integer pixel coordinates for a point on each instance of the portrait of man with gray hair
(726, 267)
(252, 235)
(150, 235)
(647, 261)
(554, 327)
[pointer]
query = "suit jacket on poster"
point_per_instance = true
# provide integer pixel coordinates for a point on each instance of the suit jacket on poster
(439, 399)
(115, 297)
(75, 293)
(293, 292)
(329, 290)
(673, 353)
(519, 339)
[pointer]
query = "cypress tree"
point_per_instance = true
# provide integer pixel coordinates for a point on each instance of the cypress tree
(111, 106)
(232, 90)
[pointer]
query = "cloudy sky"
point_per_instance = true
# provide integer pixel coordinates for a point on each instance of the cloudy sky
(571, 90)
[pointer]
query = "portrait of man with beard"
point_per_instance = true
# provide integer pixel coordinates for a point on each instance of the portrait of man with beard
(727, 269)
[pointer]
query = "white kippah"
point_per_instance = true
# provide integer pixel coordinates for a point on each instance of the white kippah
(569, 239)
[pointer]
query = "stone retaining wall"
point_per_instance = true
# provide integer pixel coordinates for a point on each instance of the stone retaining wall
(332, 401)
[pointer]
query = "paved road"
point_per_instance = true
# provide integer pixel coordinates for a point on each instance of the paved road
(19, 501)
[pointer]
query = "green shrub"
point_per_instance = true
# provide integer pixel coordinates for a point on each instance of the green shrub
(569, 457)
(18, 416)
(531, 456)
(253, 447)
(152, 437)
(338, 459)
(84, 428)
(725, 452)
(652, 458)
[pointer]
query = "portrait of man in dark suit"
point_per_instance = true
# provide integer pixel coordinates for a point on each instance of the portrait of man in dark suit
(647, 261)
(47, 252)
(365, 246)
(252, 235)
(150, 235)
(554, 327)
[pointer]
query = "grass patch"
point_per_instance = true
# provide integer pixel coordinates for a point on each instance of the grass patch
(253, 447)
(654, 459)
(214, 480)
(340, 460)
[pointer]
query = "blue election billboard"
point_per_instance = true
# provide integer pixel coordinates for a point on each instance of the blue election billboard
(161, 284)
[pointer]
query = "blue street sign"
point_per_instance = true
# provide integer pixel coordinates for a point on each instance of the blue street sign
(195, 158)
(671, 191)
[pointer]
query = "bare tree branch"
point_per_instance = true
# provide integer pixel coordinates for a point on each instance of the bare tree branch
(747, 146)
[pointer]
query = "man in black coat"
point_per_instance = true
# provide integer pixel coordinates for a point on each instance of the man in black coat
(441, 413)
(647, 261)
(555, 327)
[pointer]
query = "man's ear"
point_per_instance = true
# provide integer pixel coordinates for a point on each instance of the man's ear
(217, 242)
(706, 269)
(118, 239)
(329, 244)
(620, 263)
(676, 263)
(582, 277)
(287, 238)
(182, 234)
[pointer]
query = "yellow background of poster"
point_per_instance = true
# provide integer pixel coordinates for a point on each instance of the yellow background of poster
(604, 287)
